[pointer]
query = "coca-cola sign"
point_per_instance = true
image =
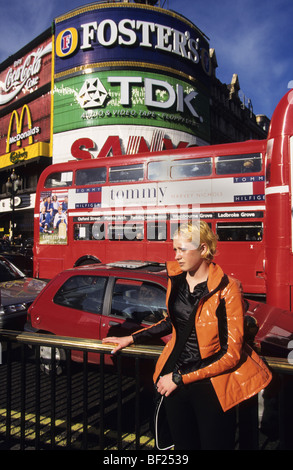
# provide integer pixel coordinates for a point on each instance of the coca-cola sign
(26, 74)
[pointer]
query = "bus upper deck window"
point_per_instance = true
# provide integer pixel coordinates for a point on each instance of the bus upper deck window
(126, 173)
(239, 164)
(59, 179)
(88, 176)
(191, 168)
(158, 170)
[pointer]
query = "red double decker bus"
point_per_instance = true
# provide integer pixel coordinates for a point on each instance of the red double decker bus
(128, 207)
(279, 206)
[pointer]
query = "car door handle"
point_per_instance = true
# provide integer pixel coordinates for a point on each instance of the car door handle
(114, 323)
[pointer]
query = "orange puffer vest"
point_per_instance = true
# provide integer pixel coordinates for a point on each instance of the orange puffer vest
(239, 373)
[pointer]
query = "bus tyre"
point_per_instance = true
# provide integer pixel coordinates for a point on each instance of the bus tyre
(46, 360)
(86, 260)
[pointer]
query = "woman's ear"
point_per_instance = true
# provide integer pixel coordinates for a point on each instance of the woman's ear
(203, 250)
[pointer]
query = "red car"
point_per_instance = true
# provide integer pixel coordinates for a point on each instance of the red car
(275, 330)
(97, 301)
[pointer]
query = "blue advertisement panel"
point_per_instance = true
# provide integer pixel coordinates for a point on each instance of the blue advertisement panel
(118, 34)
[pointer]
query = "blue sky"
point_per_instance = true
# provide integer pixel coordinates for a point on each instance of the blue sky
(252, 39)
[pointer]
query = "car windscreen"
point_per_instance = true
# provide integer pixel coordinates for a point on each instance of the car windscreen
(9, 272)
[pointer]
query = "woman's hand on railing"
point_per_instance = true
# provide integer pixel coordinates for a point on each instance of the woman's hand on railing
(120, 342)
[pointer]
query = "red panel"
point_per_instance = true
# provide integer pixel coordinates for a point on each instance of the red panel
(40, 113)
(26, 75)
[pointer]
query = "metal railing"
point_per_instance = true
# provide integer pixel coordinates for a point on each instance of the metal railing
(105, 407)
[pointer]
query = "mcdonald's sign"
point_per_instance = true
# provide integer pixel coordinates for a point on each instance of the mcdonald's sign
(19, 135)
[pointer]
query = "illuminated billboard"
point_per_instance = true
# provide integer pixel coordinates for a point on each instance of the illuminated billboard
(26, 132)
(129, 98)
(94, 142)
(26, 75)
(129, 72)
(100, 34)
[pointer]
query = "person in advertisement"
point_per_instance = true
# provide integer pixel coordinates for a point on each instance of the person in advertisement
(53, 218)
(207, 368)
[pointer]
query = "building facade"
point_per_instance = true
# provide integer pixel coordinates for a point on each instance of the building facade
(110, 78)
(232, 116)
(25, 132)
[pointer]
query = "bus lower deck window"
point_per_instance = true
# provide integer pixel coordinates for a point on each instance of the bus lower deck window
(95, 231)
(157, 231)
(126, 232)
(242, 231)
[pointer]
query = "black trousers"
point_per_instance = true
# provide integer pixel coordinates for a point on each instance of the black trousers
(197, 421)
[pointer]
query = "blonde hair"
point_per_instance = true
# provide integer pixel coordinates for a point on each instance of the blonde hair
(197, 233)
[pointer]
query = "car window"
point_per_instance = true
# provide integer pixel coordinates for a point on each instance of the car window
(138, 301)
(82, 293)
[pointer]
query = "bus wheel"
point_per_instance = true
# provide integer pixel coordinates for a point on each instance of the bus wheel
(85, 260)
(46, 360)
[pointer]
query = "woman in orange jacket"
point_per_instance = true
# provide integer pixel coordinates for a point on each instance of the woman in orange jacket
(206, 368)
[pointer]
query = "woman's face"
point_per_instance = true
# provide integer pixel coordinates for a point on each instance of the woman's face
(187, 254)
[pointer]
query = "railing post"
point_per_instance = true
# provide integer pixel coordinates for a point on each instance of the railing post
(119, 403)
(137, 404)
(69, 397)
(286, 412)
(85, 401)
(102, 401)
(22, 397)
(38, 396)
(53, 396)
(8, 393)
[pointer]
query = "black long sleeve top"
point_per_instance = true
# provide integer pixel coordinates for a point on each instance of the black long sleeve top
(181, 304)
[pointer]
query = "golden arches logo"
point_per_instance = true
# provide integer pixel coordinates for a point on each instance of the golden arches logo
(19, 125)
